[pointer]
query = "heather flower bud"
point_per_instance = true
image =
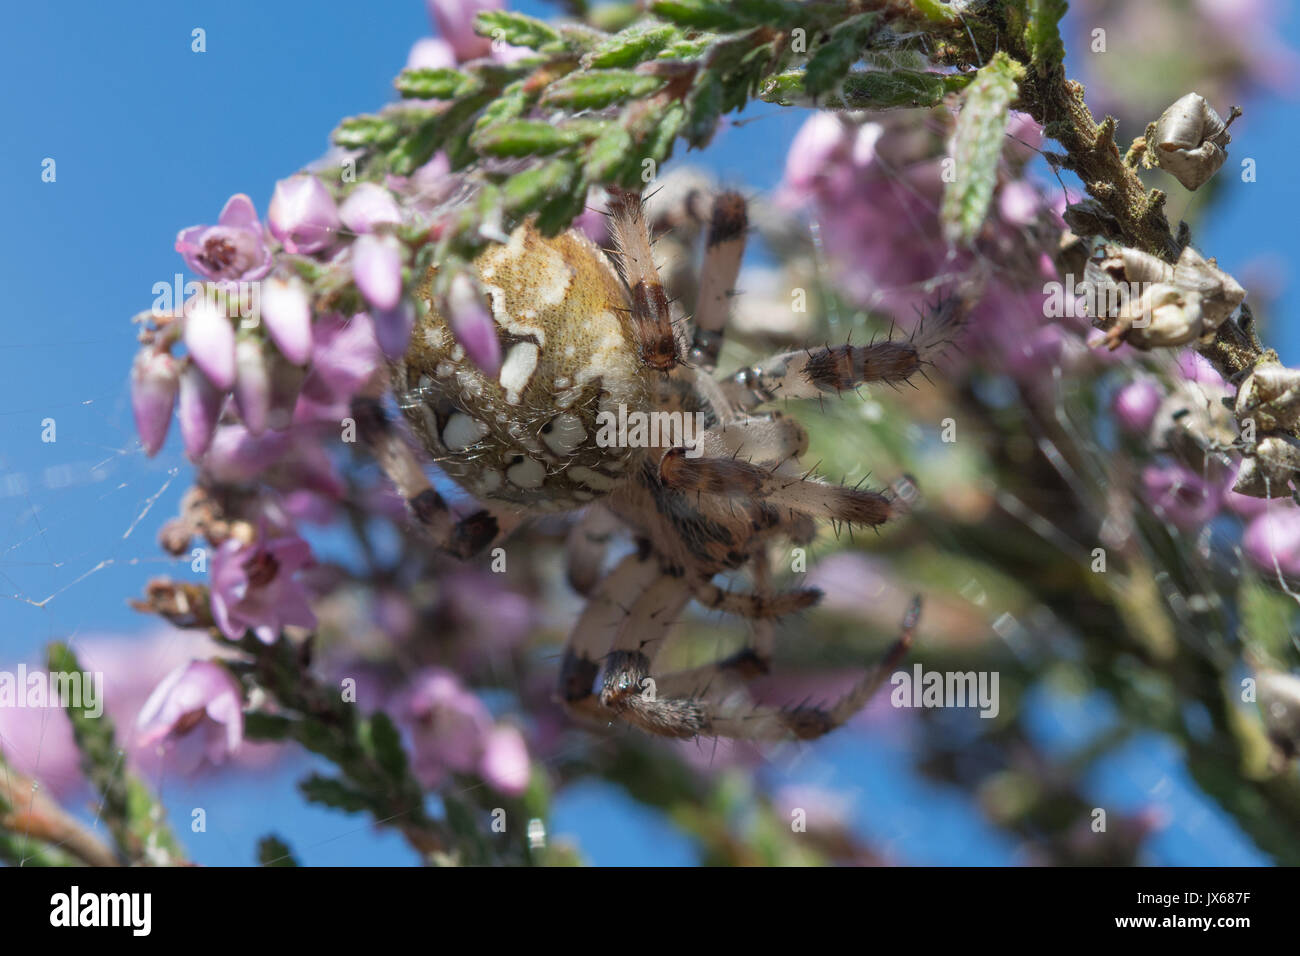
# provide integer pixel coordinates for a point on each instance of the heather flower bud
(455, 22)
(1136, 405)
(1180, 495)
(303, 215)
(200, 408)
(1189, 140)
(155, 378)
(210, 338)
(377, 270)
(252, 383)
(472, 324)
(369, 206)
(1272, 542)
(286, 383)
(286, 313)
(504, 764)
(393, 328)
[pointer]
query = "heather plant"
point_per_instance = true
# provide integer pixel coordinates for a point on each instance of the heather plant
(1098, 461)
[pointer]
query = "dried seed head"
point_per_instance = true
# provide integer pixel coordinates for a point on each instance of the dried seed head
(1146, 302)
(1189, 140)
(1162, 316)
(1268, 472)
(1271, 396)
(1220, 293)
(1191, 420)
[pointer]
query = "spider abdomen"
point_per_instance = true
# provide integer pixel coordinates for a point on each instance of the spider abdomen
(529, 434)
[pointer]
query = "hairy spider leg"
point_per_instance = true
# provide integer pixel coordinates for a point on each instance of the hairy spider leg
(462, 537)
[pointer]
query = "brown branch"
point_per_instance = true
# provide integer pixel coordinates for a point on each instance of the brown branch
(26, 811)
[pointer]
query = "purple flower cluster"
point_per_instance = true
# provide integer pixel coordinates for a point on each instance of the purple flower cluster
(874, 191)
(452, 731)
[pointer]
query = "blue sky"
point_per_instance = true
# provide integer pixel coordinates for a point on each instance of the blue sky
(149, 137)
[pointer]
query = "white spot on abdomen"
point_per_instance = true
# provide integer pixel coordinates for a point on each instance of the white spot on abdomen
(592, 479)
(529, 473)
(566, 433)
(462, 431)
(517, 369)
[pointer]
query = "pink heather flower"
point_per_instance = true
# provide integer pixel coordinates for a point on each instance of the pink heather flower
(210, 338)
(368, 206)
(492, 617)
(200, 409)
(307, 507)
(377, 270)
(504, 764)
(253, 587)
(286, 386)
(252, 383)
(473, 325)
(430, 53)
(1136, 405)
(1272, 542)
(821, 140)
(199, 696)
(303, 215)
(232, 250)
(428, 187)
(286, 313)
(1179, 495)
(454, 20)
(236, 455)
(1019, 203)
(308, 467)
(344, 356)
(1024, 136)
(1196, 368)
(592, 221)
(38, 741)
(448, 725)
(393, 328)
(155, 379)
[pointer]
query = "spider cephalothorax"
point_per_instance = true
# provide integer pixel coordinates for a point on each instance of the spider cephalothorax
(588, 337)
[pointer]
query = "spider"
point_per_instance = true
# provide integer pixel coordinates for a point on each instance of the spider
(587, 335)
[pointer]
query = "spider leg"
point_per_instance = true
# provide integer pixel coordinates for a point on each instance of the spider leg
(631, 611)
(651, 313)
(587, 544)
(462, 537)
(831, 370)
(769, 440)
(723, 251)
(755, 605)
(726, 713)
(594, 633)
(736, 478)
(745, 664)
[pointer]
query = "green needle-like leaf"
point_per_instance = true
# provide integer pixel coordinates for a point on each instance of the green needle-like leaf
(977, 147)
